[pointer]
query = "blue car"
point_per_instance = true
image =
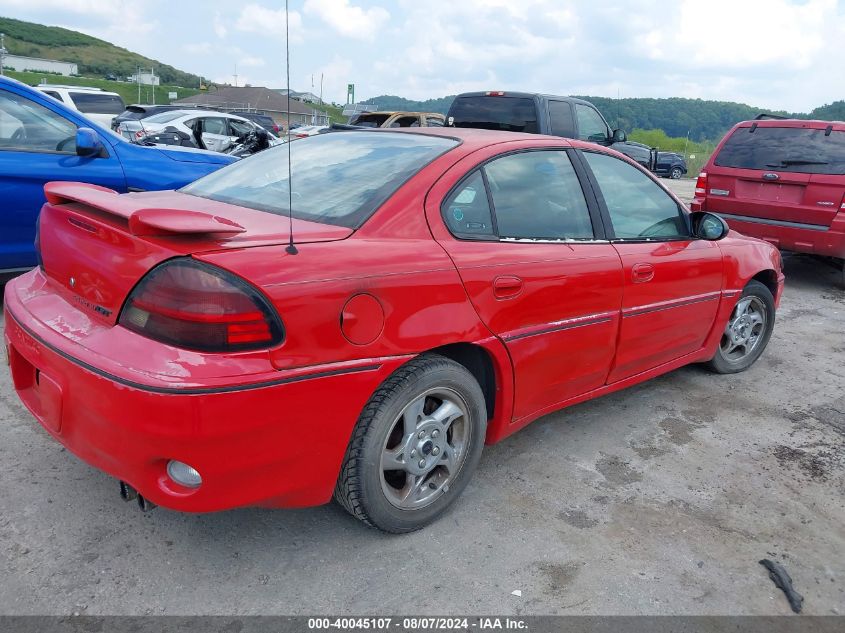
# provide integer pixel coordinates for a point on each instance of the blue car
(42, 140)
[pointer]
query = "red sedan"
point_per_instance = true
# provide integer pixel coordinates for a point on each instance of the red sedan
(446, 288)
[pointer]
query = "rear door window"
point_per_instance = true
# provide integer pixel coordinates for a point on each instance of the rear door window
(537, 195)
(560, 119)
(591, 125)
(96, 103)
(212, 125)
(798, 150)
(510, 114)
(467, 210)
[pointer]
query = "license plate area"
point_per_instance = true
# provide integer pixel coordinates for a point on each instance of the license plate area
(41, 393)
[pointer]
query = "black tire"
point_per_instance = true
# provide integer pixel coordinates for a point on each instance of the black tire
(676, 173)
(359, 487)
(721, 363)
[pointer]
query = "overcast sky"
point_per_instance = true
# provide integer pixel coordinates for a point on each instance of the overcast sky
(787, 54)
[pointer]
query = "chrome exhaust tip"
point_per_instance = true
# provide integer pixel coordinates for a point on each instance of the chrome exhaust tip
(145, 504)
(127, 492)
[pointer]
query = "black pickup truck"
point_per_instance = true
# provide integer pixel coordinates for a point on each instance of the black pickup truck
(542, 114)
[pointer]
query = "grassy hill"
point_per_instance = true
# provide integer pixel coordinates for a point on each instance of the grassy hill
(96, 58)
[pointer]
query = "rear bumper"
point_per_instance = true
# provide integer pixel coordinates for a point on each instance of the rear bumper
(277, 444)
(793, 236)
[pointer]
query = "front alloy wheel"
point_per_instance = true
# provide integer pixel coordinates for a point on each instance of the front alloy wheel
(415, 446)
(747, 331)
(676, 173)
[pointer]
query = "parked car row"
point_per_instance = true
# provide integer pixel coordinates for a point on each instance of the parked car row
(43, 140)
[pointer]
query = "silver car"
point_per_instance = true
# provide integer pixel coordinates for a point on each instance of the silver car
(220, 130)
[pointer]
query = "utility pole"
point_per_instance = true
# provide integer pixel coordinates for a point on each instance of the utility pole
(153, 83)
(3, 52)
(236, 75)
(321, 88)
(138, 79)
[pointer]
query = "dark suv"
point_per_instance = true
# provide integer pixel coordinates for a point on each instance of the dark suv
(670, 165)
(542, 114)
(264, 120)
(782, 181)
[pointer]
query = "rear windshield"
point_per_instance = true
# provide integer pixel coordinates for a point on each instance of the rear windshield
(511, 114)
(338, 178)
(371, 120)
(96, 103)
(785, 149)
(165, 117)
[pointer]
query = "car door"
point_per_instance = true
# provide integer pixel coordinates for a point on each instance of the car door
(215, 133)
(239, 129)
(672, 281)
(527, 244)
(37, 145)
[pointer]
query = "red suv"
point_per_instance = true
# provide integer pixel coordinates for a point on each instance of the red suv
(782, 181)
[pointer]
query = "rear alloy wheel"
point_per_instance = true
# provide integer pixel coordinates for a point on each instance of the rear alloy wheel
(676, 173)
(415, 446)
(747, 332)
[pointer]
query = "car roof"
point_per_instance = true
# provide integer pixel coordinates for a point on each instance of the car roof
(474, 138)
(812, 124)
(198, 112)
(75, 89)
(526, 95)
(402, 112)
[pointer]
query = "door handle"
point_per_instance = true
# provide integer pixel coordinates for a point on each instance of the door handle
(640, 273)
(507, 286)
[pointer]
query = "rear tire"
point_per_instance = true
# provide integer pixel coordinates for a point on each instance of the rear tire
(747, 331)
(415, 446)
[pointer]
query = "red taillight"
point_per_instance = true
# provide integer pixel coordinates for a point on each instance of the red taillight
(276, 129)
(701, 184)
(139, 134)
(496, 93)
(193, 305)
(301, 136)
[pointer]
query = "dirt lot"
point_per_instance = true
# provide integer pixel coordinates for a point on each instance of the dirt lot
(659, 499)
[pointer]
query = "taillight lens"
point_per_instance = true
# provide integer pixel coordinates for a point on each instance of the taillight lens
(701, 184)
(197, 306)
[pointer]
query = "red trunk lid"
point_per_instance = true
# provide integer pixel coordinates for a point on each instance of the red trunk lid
(96, 245)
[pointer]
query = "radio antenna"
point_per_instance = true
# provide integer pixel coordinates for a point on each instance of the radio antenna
(291, 248)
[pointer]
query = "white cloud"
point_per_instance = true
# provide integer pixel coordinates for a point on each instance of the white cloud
(349, 20)
(255, 18)
(219, 26)
(202, 48)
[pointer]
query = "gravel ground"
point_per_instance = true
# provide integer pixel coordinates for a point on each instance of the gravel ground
(658, 499)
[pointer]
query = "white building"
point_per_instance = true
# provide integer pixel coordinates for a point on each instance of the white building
(146, 78)
(16, 62)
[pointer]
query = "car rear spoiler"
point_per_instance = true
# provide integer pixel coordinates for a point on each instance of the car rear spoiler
(142, 220)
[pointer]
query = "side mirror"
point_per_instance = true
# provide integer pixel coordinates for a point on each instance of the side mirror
(619, 136)
(88, 143)
(708, 226)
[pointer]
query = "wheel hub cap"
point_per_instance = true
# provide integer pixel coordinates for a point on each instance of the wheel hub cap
(425, 448)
